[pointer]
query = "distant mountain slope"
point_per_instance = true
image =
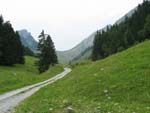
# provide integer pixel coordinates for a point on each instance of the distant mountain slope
(74, 53)
(128, 15)
(69, 55)
(28, 40)
(85, 55)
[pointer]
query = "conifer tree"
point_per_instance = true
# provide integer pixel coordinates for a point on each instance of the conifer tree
(1, 29)
(53, 57)
(28, 52)
(19, 52)
(146, 29)
(8, 55)
(130, 31)
(48, 55)
(11, 50)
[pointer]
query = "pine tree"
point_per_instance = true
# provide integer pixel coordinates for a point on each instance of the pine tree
(1, 29)
(28, 52)
(19, 50)
(96, 47)
(8, 56)
(53, 57)
(41, 63)
(48, 55)
(11, 50)
(146, 29)
(129, 37)
(132, 30)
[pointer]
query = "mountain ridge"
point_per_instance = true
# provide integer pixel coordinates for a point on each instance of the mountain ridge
(27, 39)
(68, 56)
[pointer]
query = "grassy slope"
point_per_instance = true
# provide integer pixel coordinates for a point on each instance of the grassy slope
(126, 77)
(22, 75)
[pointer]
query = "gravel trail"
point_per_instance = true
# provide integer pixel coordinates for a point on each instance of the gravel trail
(11, 99)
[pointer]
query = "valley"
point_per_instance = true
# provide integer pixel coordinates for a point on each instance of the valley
(119, 83)
(106, 72)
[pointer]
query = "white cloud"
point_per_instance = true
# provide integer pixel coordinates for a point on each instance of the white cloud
(67, 21)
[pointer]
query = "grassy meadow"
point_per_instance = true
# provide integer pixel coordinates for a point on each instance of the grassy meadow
(117, 84)
(22, 75)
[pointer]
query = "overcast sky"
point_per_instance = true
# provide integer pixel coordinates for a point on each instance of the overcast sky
(67, 21)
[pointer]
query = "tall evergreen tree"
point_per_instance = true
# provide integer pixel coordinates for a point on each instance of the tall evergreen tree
(48, 55)
(1, 30)
(19, 52)
(11, 51)
(132, 30)
(51, 51)
(28, 52)
(8, 55)
(146, 30)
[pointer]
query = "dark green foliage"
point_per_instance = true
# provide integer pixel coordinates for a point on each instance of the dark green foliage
(11, 50)
(28, 51)
(146, 30)
(20, 50)
(48, 55)
(119, 37)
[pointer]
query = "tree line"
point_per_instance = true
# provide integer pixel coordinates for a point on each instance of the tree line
(47, 56)
(121, 36)
(11, 49)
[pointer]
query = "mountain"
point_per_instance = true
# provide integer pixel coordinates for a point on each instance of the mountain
(67, 56)
(80, 52)
(28, 40)
(70, 55)
(128, 15)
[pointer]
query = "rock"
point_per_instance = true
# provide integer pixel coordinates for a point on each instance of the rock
(67, 102)
(102, 69)
(147, 107)
(105, 91)
(70, 110)
(109, 97)
(116, 104)
(50, 109)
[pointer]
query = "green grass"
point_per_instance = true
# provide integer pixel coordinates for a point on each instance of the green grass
(117, 84)
(22, 75)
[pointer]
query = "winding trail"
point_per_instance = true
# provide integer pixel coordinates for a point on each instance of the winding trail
(11, 99)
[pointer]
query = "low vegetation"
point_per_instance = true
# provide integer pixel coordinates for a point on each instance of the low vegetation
(22, 75)
(117, 84)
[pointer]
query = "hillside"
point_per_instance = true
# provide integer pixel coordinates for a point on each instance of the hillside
(85, 55)
(117, 84)
(119, 37)
(22, 75)
(28, 40)
(69, 55)
(65, 57)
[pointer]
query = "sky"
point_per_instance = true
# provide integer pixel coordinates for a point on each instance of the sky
(67, 21)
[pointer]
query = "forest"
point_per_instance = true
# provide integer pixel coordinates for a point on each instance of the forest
(119, 37)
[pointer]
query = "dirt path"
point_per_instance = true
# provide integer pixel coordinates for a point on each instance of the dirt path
(11, 99)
